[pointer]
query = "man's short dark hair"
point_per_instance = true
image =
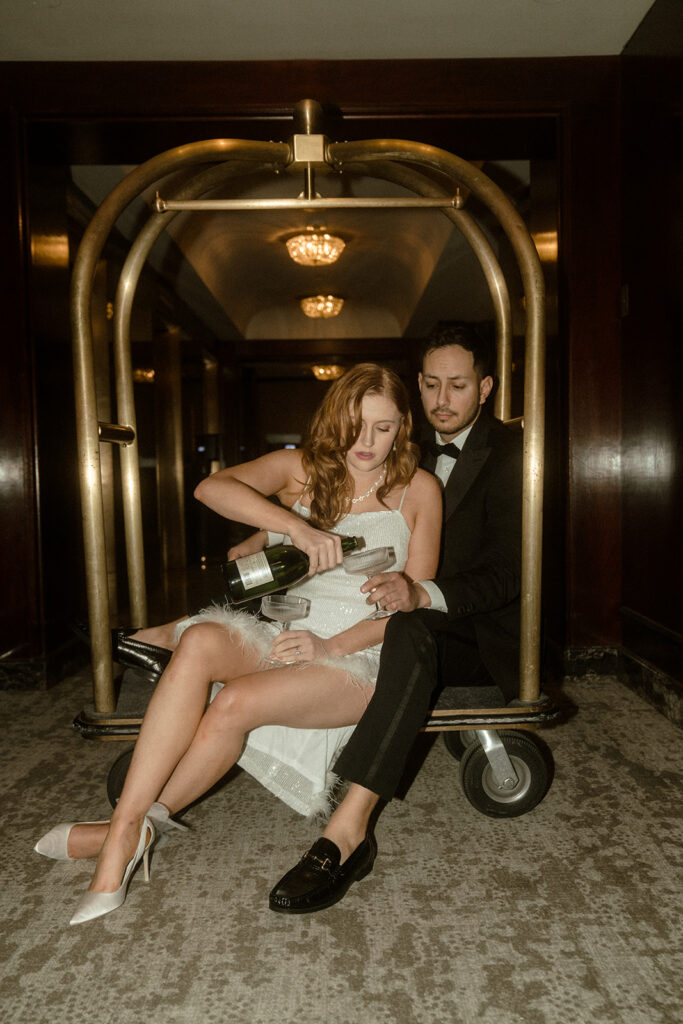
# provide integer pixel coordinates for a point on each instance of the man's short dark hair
(457, 332)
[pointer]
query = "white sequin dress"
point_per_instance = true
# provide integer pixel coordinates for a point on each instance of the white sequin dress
(295, 764)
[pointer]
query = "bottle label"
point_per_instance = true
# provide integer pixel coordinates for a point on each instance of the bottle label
(254, 570)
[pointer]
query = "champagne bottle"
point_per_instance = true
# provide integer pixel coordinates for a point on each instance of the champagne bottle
(273, 569)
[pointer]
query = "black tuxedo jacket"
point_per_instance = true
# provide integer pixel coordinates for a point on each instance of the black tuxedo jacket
(480, 565)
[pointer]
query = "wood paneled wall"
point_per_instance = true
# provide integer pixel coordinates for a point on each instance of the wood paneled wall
(652, 363)
(21, 599)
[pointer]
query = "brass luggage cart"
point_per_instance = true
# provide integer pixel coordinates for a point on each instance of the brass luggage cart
(504, 771)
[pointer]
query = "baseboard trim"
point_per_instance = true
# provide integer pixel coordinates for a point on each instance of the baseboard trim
(42, 673)
(657, 687)
(588, 661)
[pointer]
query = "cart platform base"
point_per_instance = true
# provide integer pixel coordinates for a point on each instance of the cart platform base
(458, 707)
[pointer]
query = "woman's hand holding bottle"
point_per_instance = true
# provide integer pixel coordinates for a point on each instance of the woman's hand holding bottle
(276, 568)
(324, 550)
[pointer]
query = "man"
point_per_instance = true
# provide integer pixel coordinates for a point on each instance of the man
(461, 627)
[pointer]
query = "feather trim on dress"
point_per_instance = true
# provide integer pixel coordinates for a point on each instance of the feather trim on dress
(360, 668)
(249, 631)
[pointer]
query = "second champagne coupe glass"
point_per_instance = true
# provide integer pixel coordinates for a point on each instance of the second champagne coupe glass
(284, 608)
(369, 562)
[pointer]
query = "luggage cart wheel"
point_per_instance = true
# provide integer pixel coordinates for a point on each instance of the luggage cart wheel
(533, 777)
(117, 775)
(457, 741)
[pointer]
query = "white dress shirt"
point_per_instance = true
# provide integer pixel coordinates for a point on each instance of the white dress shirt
(442, 470)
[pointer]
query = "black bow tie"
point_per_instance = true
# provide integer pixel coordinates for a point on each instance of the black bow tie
(444, 449)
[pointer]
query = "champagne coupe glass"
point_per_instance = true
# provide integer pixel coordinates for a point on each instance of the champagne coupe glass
(369, 562)
(284, 608)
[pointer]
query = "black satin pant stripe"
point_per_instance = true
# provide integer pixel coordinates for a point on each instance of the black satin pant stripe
(376, 754)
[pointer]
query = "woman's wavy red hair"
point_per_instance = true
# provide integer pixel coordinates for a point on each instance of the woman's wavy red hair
(335, 428)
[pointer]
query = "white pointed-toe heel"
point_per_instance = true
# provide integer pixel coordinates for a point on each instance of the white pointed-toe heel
(97, 904)
(54, 844)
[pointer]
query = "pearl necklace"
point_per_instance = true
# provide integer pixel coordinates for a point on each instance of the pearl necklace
(374, 487)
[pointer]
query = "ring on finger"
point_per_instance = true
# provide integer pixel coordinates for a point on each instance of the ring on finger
(297, 653)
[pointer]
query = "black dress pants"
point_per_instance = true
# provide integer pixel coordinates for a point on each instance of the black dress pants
(420, 649)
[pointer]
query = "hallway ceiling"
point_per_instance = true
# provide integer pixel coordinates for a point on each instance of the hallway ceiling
(400, 271)
(99, 30)
(399, 268)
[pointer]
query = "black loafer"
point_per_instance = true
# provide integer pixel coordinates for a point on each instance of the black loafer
(127, 651)
(137, 654)
(318, 880)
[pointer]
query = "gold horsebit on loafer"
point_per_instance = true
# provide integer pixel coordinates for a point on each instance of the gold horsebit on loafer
(325, 864)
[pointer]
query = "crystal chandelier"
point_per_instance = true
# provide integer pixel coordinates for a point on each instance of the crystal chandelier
(315, 248)
(329, 372)
(322, 306)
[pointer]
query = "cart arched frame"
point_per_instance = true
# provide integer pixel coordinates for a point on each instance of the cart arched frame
(395, 160)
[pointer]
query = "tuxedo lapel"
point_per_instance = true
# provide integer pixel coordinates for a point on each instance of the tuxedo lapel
(463, 475)
(469, 465)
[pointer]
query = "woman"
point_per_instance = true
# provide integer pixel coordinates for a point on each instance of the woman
(356, 475)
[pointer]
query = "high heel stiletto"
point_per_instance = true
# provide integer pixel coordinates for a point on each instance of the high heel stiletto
(55, 843)
(97, 904)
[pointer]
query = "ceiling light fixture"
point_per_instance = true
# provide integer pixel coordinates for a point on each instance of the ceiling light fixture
(331, 372)
(315, 248)
(322, 306)
(142, 375)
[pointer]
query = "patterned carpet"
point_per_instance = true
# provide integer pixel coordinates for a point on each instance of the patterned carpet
(567, 915)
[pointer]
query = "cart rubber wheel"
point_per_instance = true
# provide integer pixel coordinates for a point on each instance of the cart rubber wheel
(117, 775)
(458, 741)
(530, 764)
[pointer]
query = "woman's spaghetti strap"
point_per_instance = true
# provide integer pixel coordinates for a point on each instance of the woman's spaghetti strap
(405, 491)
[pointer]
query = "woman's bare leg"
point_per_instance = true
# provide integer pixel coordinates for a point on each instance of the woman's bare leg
(312, 697)
(86, 840)
(302, 697)
(206, 652)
